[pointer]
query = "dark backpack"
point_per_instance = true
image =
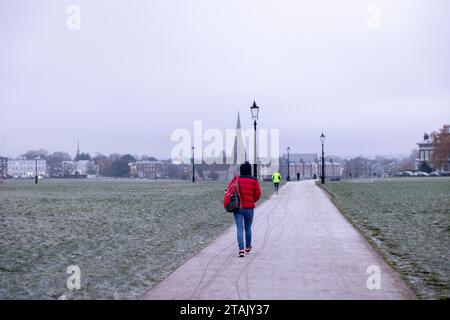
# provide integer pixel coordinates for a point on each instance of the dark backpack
(232, 198)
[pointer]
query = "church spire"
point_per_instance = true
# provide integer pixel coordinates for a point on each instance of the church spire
(238, 125)
(78, 149)
(239, 152)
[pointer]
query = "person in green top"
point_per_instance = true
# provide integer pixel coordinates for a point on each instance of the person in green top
(276, 177)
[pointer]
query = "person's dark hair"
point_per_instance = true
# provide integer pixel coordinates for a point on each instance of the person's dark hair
(246, 169)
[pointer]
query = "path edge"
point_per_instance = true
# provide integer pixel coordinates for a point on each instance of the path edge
(142, 295)
(412, 293)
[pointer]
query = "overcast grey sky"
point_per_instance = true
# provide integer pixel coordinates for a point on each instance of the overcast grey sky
(137, 70)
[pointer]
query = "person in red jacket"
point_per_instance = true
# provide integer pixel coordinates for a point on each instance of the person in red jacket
(250, 192)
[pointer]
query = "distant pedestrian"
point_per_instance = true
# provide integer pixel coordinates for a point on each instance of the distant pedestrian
(298, 176)
(250, 192)
(276, 177)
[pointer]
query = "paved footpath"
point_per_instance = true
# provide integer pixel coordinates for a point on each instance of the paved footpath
(303, 248)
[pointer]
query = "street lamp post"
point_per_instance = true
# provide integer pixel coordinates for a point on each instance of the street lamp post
(288, 178)
(322, 139)
(255, 115)
(36, 172)
(193, 164)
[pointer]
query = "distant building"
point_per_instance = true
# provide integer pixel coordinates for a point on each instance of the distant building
(148, 169)
(332, 169)
(23, 168)
(309, 166)
(81, 168)
(3, 167)
(425, 151)
(303, 163)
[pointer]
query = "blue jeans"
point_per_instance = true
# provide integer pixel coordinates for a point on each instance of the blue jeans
(244, 219)
(276, 186)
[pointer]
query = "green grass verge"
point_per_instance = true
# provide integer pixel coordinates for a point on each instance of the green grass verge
(408, 221)
(125, 235)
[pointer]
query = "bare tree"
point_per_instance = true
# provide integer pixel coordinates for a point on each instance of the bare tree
(31, 154)
(441, 148)
(57, 157)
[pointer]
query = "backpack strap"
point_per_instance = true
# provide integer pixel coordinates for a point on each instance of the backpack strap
(238, 190)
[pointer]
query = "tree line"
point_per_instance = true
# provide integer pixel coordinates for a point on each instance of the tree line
(114, 165)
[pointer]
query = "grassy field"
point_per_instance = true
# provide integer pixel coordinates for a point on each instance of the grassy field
(408, 219)
(125, 235)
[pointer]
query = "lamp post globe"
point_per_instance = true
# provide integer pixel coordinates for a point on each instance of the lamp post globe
(255, 111)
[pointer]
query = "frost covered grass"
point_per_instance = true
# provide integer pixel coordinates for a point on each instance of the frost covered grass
(125, 235)
(408, 219)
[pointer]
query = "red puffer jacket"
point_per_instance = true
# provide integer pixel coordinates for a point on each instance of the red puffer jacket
(249, 190)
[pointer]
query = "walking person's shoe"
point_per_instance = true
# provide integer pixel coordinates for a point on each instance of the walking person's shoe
(241, 253)
(247, 250)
